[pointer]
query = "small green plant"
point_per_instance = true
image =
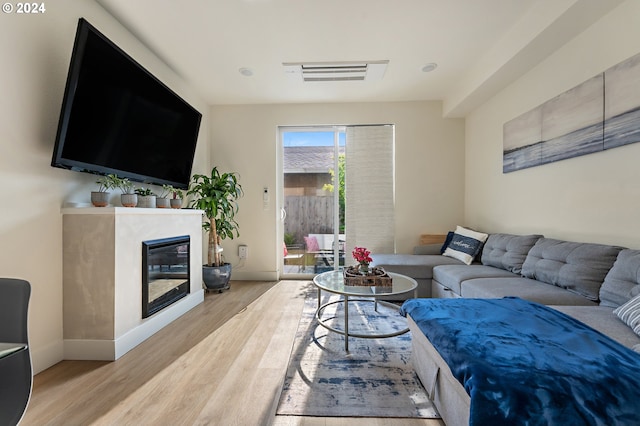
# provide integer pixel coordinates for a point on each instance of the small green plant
(166, 190)
(177, 193)
(169, 190)
(126, 186)
(105, 183)
(289, 239)
(144, 192)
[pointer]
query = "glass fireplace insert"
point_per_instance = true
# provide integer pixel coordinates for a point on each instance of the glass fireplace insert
(165, 272)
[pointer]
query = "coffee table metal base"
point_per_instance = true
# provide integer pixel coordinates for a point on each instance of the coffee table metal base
(345, 300)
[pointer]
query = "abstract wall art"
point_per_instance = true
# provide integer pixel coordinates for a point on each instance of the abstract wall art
(600, 113)
(622, 104)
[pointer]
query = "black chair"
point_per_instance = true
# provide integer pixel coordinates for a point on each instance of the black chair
(16, 377)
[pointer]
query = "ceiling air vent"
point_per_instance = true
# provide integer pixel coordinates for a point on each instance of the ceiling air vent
(337, 71)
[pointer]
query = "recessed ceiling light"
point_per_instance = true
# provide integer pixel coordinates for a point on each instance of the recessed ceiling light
(429, 67)
(247, 72)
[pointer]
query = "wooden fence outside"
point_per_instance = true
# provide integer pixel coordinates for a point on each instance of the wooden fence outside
(307, 215)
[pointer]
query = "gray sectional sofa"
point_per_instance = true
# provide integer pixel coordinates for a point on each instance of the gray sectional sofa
(583, 280)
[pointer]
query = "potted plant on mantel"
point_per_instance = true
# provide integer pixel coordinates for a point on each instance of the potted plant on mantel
(176, 198)
(128, 198)
(217, 196)
(172, 197)
(146, 198)
(100, 198)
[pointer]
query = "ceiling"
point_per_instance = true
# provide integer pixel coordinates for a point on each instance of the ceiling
(480, 46)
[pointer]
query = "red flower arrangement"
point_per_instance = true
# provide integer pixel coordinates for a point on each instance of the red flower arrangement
(361, 255)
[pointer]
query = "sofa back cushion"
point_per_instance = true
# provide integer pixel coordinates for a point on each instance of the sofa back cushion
(622, 283)
(506, 251)
(577, 267)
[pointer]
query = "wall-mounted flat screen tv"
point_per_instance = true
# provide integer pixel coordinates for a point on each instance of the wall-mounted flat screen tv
(118, 118)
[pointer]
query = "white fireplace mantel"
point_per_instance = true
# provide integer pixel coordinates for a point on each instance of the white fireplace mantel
(102, 276)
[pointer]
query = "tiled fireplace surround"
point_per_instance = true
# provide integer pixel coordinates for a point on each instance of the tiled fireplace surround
(102, 276)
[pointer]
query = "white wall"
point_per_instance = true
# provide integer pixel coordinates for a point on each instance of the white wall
(591, 198)
(35, 52)
(594, 198)
(429, 173)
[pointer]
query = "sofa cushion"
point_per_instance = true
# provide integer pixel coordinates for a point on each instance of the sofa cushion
(622, 282)
(577, 267)
(416, 266)
(524, 288)
(604, 320)
(629, 313)
(427, 249)
(451, 276)
(507, 251)
(465, 244)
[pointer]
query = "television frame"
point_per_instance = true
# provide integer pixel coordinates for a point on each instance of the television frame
(84, 29)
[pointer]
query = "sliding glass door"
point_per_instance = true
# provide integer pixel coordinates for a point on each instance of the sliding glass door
(313, 199)
(337, 193)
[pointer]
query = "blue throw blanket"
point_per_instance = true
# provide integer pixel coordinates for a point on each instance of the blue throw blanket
(523, 363)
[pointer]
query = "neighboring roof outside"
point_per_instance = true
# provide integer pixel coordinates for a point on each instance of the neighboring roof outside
(309, 159)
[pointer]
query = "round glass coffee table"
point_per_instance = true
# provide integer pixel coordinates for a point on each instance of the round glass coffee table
(333, 282)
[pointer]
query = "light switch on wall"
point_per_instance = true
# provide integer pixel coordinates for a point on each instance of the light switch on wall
(265, 198)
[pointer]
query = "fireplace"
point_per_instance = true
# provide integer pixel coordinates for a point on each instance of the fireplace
(165, 273)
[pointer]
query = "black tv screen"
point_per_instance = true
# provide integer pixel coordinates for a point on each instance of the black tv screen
(118, 118)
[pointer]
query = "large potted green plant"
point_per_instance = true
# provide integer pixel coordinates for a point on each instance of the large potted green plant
(217, 195)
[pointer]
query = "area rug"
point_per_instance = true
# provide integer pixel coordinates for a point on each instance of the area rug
(374, 379)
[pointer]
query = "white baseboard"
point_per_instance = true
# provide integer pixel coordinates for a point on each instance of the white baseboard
(44, 358)
(110, 350)
(94, 350)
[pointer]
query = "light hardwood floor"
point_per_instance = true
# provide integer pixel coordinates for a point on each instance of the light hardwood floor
(222, 363)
